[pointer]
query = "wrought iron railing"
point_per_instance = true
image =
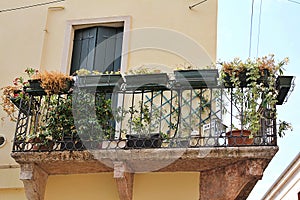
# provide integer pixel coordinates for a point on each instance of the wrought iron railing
(110, 116)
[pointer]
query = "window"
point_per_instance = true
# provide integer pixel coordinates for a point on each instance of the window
(2, 140)
(97, 48)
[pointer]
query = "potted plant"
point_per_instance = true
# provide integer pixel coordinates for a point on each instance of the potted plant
(94, 118)
(252, 86)
(46, 82)
(40, 141)
(196, 78)
(143, 79)
(143, 123)
(54, 125)
(103, 81)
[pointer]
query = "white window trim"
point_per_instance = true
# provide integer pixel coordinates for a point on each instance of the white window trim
(73, 25)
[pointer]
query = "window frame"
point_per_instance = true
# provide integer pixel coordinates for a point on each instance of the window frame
(73, 25)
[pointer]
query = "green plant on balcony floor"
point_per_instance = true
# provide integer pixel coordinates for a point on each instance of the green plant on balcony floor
(143, 120)
(143, 125)
(252, 84)
(55, 122)
(94, 116)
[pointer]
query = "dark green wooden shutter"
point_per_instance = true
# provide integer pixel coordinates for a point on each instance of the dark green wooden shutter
(118, 49)
(97, 48)
(84, 48)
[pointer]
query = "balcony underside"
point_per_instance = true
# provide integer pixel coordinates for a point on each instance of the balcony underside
(217, 166)
(139, 160)
(191, 159)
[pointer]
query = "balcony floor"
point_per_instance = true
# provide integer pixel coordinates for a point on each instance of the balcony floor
(233, 170)
(141, 160)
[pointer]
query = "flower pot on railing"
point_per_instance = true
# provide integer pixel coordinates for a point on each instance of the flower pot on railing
(144, 141)
(35, 88)
(244, 78)
(158, 81)
(283, 86)
(100, 81)
(239, 138)
(196, 79)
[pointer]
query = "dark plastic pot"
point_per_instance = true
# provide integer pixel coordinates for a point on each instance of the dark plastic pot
(144, 141)
(195, 79)
(101, 81)
(35, 88)
(283, 86)
(157, 81)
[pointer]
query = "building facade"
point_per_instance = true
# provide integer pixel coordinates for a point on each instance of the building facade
(287, 186)
(162, 35)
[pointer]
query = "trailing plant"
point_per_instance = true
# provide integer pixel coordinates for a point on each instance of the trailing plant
(284, 126)
(252, 84)
(15, 92)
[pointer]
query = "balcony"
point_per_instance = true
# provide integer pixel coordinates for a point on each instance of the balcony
(145, 123)
(104, 112)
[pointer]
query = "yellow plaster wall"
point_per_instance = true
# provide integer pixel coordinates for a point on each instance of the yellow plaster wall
(149, 186)
(83, 186)
(12, 194)
(9, 178)
(199, 25)
(21, 36)
(166, 186)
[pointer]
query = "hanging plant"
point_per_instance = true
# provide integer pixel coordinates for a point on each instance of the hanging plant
(12, 95)
(252, 84)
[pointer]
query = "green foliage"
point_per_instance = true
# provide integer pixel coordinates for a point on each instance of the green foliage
(254, 87)
(95, 116)
(55, 120)
(284, 126)
(143, 118)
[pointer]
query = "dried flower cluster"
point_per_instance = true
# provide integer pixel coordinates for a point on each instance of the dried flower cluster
(7, 105)
(52, 82)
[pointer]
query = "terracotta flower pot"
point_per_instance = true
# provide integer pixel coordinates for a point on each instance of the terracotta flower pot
(239, 138)
(37, 145)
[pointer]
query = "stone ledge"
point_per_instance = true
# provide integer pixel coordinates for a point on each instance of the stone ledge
(37, 166)
(191, 159)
